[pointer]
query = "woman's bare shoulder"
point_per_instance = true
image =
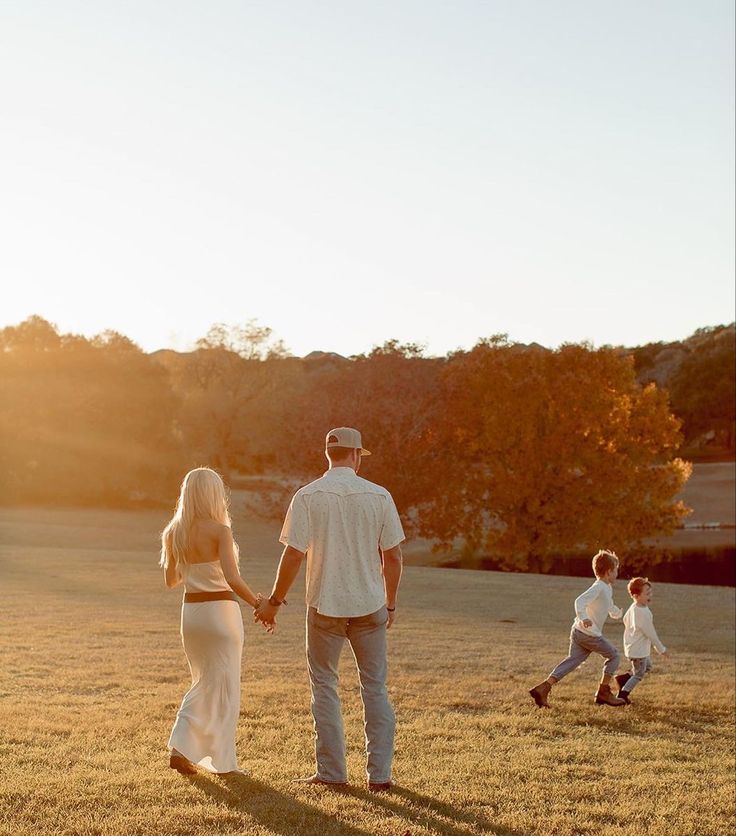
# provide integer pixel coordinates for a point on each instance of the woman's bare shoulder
(214, 529)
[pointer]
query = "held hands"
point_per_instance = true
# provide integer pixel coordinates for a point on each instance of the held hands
(265, 613)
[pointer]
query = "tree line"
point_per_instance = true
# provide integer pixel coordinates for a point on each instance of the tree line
(516, 451)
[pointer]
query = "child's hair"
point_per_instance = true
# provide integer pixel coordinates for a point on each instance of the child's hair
(603, 562)
(636, 586)
(202, 497)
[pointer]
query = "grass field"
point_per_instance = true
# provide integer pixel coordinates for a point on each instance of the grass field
(92, 671)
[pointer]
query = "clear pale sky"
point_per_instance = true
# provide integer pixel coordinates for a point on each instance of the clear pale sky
(349, 172)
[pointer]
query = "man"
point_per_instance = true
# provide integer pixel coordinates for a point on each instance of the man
(350, 532)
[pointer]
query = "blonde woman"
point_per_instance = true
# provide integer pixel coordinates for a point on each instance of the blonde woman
(198, 550)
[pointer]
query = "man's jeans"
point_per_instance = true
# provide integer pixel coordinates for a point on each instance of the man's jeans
(639, 669)
(325, 639)
(581, 646)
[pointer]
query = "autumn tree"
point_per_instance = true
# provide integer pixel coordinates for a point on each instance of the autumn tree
(82, 421)
(390, 394)
(218, 383)
(544, 452)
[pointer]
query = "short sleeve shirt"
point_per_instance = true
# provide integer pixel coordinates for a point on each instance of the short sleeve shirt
(342, 522)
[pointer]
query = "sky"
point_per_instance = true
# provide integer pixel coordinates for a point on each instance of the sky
(348, 173)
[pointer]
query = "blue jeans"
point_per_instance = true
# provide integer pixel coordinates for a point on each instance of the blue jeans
(581, 646)
(325, 639)
(639, 669)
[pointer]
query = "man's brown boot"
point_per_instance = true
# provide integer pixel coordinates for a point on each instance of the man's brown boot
(604, 696)
(540, 693)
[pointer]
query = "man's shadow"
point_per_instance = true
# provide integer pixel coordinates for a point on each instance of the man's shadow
(425, 811)
(279, 812)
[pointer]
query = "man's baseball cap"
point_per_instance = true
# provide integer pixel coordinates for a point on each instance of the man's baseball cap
(345, 437)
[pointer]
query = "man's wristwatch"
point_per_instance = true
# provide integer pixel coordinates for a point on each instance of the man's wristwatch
(274, 602)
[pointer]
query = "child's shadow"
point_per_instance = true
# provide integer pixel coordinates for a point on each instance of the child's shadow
(278, 812)
(632, 719)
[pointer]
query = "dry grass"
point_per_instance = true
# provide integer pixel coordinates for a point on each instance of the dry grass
(93, 671)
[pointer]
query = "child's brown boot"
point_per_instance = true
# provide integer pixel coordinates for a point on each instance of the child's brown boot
(604, 696)
(622, 679)
(540, 693)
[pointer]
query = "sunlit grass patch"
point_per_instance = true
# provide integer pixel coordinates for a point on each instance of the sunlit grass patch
(93, 671)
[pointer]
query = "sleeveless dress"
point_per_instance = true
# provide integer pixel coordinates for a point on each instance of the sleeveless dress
(212, 635)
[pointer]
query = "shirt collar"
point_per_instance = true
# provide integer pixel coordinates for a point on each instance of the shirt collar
(339, 471)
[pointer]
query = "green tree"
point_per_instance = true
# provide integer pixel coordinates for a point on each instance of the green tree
(704, 387)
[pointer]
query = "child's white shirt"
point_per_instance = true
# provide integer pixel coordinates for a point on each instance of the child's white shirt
(596, 604)
(639, 633)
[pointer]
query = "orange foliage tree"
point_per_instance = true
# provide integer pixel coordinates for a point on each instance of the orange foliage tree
(538, 453)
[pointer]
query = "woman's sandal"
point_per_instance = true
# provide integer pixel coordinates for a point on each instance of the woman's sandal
(182, 765)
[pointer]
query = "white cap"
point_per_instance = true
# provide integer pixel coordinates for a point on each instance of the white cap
(345, 437)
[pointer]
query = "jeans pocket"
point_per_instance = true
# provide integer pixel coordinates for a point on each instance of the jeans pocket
(379, 617)
(327, 623)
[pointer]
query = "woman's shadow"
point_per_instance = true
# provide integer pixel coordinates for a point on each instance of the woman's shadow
(272, 809)
(287, 815)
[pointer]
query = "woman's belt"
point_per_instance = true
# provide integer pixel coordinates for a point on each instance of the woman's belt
(201, 597)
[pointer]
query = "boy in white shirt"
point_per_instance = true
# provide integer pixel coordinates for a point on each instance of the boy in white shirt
(639, 636)
(586, 636)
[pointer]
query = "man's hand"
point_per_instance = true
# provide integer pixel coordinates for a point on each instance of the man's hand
(587, 622)
(391, 617)
(265, 613)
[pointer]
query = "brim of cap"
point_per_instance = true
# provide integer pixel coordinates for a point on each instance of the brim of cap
(362, 451)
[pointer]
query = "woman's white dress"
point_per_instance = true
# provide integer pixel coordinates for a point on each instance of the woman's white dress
(212, 634)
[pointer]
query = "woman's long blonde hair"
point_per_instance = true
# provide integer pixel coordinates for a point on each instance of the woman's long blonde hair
(202, 497)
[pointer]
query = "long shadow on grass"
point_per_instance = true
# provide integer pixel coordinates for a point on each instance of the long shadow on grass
(425, 811)
(278, 812)
(635, 720)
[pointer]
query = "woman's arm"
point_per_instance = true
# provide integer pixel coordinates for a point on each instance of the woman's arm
(172, 577)
(226, 553)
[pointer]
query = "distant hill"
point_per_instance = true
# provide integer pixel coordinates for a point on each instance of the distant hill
(700, 375)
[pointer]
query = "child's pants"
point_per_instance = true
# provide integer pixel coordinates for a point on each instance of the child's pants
(581, 646)
(639, 669)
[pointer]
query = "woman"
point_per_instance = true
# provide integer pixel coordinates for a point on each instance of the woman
(197, 549)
